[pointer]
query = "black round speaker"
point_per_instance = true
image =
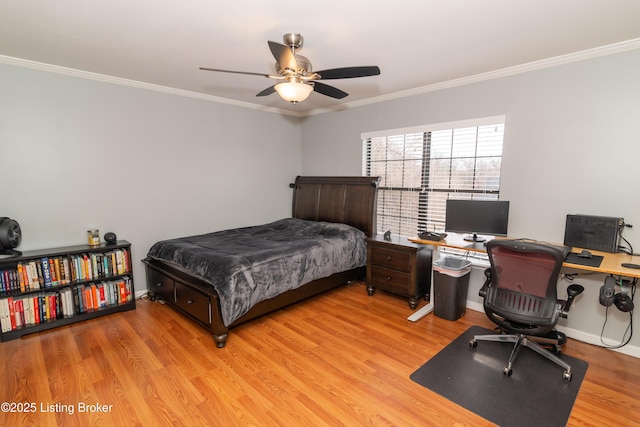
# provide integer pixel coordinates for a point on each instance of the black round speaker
(10, 235)
(110, 237)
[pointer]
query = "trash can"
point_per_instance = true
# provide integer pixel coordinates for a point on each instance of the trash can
(450, 285)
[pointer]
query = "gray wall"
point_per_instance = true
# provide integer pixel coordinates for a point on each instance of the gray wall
(78, 154)
(571, 146)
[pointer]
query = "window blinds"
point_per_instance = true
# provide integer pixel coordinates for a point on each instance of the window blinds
(422, 167)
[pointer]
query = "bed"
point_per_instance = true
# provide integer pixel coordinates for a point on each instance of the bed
(224, 278)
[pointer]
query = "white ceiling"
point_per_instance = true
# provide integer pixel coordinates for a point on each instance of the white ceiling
(418, 44)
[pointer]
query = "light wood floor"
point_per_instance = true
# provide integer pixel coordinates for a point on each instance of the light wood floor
(342, 358)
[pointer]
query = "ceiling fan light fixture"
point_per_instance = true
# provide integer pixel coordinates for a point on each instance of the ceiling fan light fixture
(299, 78)
(293, 90)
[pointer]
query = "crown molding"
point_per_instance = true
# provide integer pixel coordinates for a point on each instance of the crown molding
(137, 84)
(510, 71)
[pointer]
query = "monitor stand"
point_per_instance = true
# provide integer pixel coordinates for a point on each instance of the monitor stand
(474, 238)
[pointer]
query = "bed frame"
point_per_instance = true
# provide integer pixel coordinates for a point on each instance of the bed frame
(348, 200)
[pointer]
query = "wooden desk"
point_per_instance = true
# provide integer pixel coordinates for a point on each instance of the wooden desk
(611, 263)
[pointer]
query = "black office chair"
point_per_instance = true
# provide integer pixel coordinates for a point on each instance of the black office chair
(520, 297)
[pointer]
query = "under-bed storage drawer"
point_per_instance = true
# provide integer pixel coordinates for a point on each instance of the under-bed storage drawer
(193, 302)
(160, 285)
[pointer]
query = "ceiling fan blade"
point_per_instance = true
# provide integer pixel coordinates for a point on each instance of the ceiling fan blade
(329, 90)
(234, 72)
(349, 72)
(267, 91)
(284, 56)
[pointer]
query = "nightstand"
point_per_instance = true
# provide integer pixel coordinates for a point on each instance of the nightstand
(400, 267)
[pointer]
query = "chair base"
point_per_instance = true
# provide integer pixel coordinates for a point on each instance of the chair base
(534, 343)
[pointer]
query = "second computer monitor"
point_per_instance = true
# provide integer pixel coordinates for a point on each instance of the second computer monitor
(488, 217)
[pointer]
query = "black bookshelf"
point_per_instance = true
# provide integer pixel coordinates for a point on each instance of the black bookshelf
(92, 269)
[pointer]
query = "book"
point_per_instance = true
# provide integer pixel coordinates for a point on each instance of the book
(54, 306)
(46, 272)
(21, 277)
(102, 299)
(67, 270)
(36, 309)
(86, 267)
(119, 263)
(5, 323)
(34, 279)
(95, 296)
(56, 263)
(12, 317)
(52, 271)
(77, 270)
(88, 299)
(58, 301)
(3, 286)
(126, 260)
(28, 311)
(70, 302)
(79, 295)
(123, 291)
(18, 310)
(40, 275)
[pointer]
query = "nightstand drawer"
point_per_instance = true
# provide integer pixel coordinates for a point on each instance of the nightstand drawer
(391, 259)
(399, 266)
(193, 302)
(387, 278)
(160, 285)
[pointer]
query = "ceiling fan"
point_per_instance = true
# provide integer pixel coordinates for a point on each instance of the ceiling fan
(298, 79)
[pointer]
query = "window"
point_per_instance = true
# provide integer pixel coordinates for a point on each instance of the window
(422, 167)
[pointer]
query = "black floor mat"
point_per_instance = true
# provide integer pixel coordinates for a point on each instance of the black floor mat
(534, 395)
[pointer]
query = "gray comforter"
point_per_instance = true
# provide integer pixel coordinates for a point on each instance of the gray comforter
(251, 264)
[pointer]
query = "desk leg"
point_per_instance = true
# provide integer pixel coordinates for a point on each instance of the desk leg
(419, 314)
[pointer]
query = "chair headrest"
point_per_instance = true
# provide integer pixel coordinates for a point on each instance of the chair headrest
(528, 245)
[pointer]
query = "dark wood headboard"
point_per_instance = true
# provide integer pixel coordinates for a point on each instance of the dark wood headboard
(344, 199)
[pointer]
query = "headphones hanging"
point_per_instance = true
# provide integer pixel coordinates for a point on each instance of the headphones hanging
(622, 300)
(607, 291)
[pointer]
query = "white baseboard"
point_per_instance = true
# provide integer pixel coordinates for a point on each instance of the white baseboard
(140, 294)
(630, 350)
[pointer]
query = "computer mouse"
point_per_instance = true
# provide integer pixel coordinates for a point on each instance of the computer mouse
(585, 254)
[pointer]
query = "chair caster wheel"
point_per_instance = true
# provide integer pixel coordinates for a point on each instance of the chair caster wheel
(473, 343)
(507, 371)
(566, 376)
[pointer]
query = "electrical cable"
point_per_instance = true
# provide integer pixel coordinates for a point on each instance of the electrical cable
(623, 249)
(629, 328)
(626, 250)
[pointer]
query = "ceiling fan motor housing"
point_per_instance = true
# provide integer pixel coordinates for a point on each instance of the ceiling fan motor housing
(303, 66)
(293, 40)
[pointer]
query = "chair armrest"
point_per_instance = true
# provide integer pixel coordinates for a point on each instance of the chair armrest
(572, 292)
(485, 285)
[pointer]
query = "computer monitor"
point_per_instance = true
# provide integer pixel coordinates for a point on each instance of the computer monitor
(489, 217)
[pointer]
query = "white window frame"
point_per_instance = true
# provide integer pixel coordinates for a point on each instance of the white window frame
(412, 204)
